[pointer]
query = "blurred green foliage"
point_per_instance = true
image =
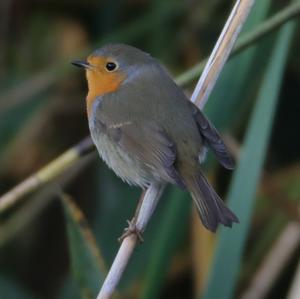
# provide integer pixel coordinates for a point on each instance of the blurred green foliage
(87, 267)
(241, 196)
(42, 113)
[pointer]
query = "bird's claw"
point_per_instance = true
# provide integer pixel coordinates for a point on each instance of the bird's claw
(131, 229)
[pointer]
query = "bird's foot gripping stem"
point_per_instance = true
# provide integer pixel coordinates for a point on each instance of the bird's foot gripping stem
(132, 229)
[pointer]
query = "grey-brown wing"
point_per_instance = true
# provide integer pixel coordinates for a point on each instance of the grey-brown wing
(212, 138)
(149, 143)
(145, 141)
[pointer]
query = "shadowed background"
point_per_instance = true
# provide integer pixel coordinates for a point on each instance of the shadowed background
(46, 247)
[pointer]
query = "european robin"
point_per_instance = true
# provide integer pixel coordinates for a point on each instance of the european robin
(146, 129)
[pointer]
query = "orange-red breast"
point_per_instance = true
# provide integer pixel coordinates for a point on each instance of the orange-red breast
(146, 130)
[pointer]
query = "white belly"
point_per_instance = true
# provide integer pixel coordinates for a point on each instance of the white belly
(129, 170)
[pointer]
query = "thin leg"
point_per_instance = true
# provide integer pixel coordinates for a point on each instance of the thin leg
(132, 229)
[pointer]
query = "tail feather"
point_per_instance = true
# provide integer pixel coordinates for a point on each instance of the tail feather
(211, 208)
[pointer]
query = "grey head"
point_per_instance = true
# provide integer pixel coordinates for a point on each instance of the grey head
(124, 54)
(131, 61)
(125, 59)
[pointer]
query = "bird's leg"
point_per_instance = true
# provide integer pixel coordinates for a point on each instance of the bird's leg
(132, 229)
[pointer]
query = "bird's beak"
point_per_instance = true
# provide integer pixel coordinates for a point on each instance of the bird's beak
(81, 63)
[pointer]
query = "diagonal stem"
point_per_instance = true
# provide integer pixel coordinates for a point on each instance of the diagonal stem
(149, 202)
(248, 39)
(221, 52)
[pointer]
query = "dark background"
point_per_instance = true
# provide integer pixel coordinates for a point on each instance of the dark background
(42, 114)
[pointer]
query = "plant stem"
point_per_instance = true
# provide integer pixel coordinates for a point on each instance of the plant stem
(149, 202)
(46, 174)
(245, 41)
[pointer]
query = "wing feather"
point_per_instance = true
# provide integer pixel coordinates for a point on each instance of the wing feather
(212, 138)
(142, 140)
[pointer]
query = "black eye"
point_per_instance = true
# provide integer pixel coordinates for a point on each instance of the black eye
(111, 66)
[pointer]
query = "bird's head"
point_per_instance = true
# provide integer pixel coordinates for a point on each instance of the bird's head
(110, 67)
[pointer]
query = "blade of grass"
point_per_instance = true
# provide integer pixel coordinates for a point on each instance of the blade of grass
(242, 190)
(86, 262)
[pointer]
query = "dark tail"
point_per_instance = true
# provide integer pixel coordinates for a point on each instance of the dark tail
(210, 206)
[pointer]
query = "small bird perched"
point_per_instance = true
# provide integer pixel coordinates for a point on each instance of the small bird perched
(146, 129)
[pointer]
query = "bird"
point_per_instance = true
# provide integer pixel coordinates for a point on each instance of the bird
(147, 130)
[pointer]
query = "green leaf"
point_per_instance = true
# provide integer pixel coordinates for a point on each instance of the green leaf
(86, 262)
(242, 191)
